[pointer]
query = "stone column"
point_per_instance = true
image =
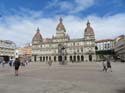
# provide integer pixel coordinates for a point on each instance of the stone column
(32, 59)
(76, 58)
(37, 59)
(93, 57)
(45, 59)
(52, 58)
(68, 58)
(57, 59)
(86, 58)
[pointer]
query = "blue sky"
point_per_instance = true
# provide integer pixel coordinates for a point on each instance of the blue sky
(20, 18)
(50, 8)
(64, 7)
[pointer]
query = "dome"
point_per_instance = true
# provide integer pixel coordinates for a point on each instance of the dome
(89, 29)
(60, 26)
(37, 36)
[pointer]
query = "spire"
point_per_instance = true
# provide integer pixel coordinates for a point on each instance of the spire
(37, 36)
(38, 29)
(60, 19)
(88, 24)
(60, 26)
(89, 31)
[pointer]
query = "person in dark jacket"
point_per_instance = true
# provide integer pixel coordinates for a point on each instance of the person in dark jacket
(109, 65)
(104, 66)
(17, 65)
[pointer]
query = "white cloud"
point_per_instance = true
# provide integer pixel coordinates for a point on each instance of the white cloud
(104, 27)
(21, 29)
(66, 5)
(108, 27)
(71, 7)
(52, 3)
(82, 5)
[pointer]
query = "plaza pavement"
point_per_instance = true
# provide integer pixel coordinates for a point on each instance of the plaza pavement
(70, 78)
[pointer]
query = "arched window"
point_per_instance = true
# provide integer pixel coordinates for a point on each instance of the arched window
(59, 58)
(74, 58)
(65, 58)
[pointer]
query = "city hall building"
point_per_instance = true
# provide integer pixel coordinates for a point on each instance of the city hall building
(60, 48)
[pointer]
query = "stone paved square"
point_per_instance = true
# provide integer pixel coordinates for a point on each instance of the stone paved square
(70, 78)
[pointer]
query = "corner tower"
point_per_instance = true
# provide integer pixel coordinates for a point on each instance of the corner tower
(89, 37)
(89, 33)
(37, 39)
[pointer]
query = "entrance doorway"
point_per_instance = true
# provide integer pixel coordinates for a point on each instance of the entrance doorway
(90, 57)
(60, 58)
(78, 58)
(74, 58)
(5, 58)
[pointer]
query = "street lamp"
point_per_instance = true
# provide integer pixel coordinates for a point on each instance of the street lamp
(63, 53)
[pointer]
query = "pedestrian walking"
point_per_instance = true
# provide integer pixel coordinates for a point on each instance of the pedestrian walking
(104, 66)
(10, 62)
(3, 63)
(50, 63)
(109, 65)
(26, 62)
(17, 65)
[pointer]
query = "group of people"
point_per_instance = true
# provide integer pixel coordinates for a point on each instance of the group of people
(16, 63)
(106, 65)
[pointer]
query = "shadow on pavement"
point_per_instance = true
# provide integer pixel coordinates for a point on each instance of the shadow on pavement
(121, 90)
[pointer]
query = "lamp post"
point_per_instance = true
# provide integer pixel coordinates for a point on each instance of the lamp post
(63, 55)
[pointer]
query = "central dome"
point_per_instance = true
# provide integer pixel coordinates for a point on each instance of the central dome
(37, 36)
(60, 26)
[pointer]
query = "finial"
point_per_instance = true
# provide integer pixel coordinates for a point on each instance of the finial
(60, 19)
(38, 29)
(88, 23)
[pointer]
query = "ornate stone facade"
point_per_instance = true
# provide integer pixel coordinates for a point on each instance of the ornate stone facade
(7, 50)
(119, 48)
(60, 48)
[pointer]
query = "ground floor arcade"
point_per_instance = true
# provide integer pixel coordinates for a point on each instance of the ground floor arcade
(68, 58)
